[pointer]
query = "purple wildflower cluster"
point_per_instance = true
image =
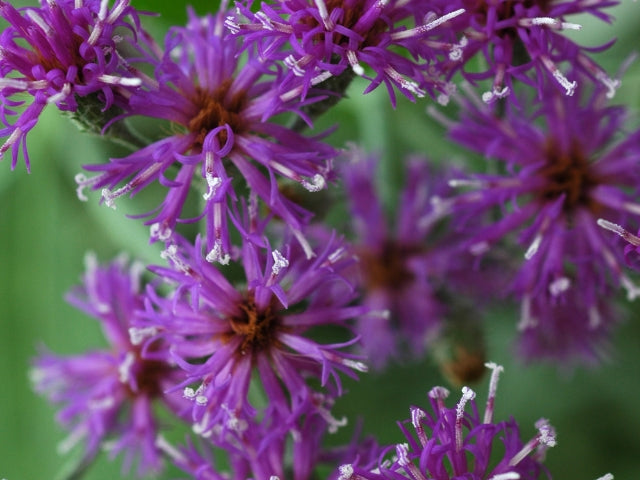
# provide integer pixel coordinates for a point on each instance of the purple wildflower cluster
(247, 330)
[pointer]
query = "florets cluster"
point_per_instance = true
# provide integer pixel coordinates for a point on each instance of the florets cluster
(260, 310)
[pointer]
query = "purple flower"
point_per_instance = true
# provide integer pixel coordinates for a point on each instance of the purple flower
(454, 443)
(519, 37)
(56, 54)
(220, 110)
(223, 334)
(320, 39)
(297, 458)
(396, 264)
(407, 268)
(565, 165)
(108, 394)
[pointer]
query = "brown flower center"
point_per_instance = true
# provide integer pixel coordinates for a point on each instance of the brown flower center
(149, 375)
(569, 174)
(216, 109)
(258, 328)
(387, 267)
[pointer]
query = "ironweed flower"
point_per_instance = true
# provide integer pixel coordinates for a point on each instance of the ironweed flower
(452, 443)
(517, 38)
(397, 262)
(56, 54)
(222, 334)
(221, 110)
(279, 459)
(335, 37)
(107, 395)
(565, 165)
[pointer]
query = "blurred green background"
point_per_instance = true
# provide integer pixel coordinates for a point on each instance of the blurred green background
(45, 230)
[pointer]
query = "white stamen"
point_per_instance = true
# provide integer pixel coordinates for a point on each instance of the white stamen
(427, 27)
(124, 369)
(612, 227)
(109, 198)
(607, 476)
(402, 451)
(137, 335)
(38, 20)
(122, 81)
(479, 248)
(355, 65)
(361, 367)
(533, 248)
(189, 393)
(294, 65)
(61, 95)
(346, 472)
(457, 49)
(216, 254)
(467, 395)
(279, 262)
(404, 83)
(212, 185)
(317, 183)
(265, 21)
(160, 231)
(201, 400)
(463, 182)
(324, 14)
(559, 285)
(231, 24)
(438, 393)
(547, 433)
(170, 450)
(488, 97)
(101, 403)
(527, 320)
(417, 414)
(493, 388)
(506, 476)
(594, 318)
(552, 22)
(83, 182)
(632, 290)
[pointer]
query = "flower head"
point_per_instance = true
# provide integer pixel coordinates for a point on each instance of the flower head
(108, 394)
(451, 443)
(517, 38)
(221, 111)
(60, 53)
(221, 334)
(396, 264)
(564, 166)
(407, 268)
(336, 37)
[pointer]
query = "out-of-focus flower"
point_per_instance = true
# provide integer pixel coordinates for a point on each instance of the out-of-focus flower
(410, 275)
(221, 110)
(223, 334)
(564, 166)
(396, 263)
(341, 37)
(519, 37)
(452, 443)
(61, 53)
(107, 395)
